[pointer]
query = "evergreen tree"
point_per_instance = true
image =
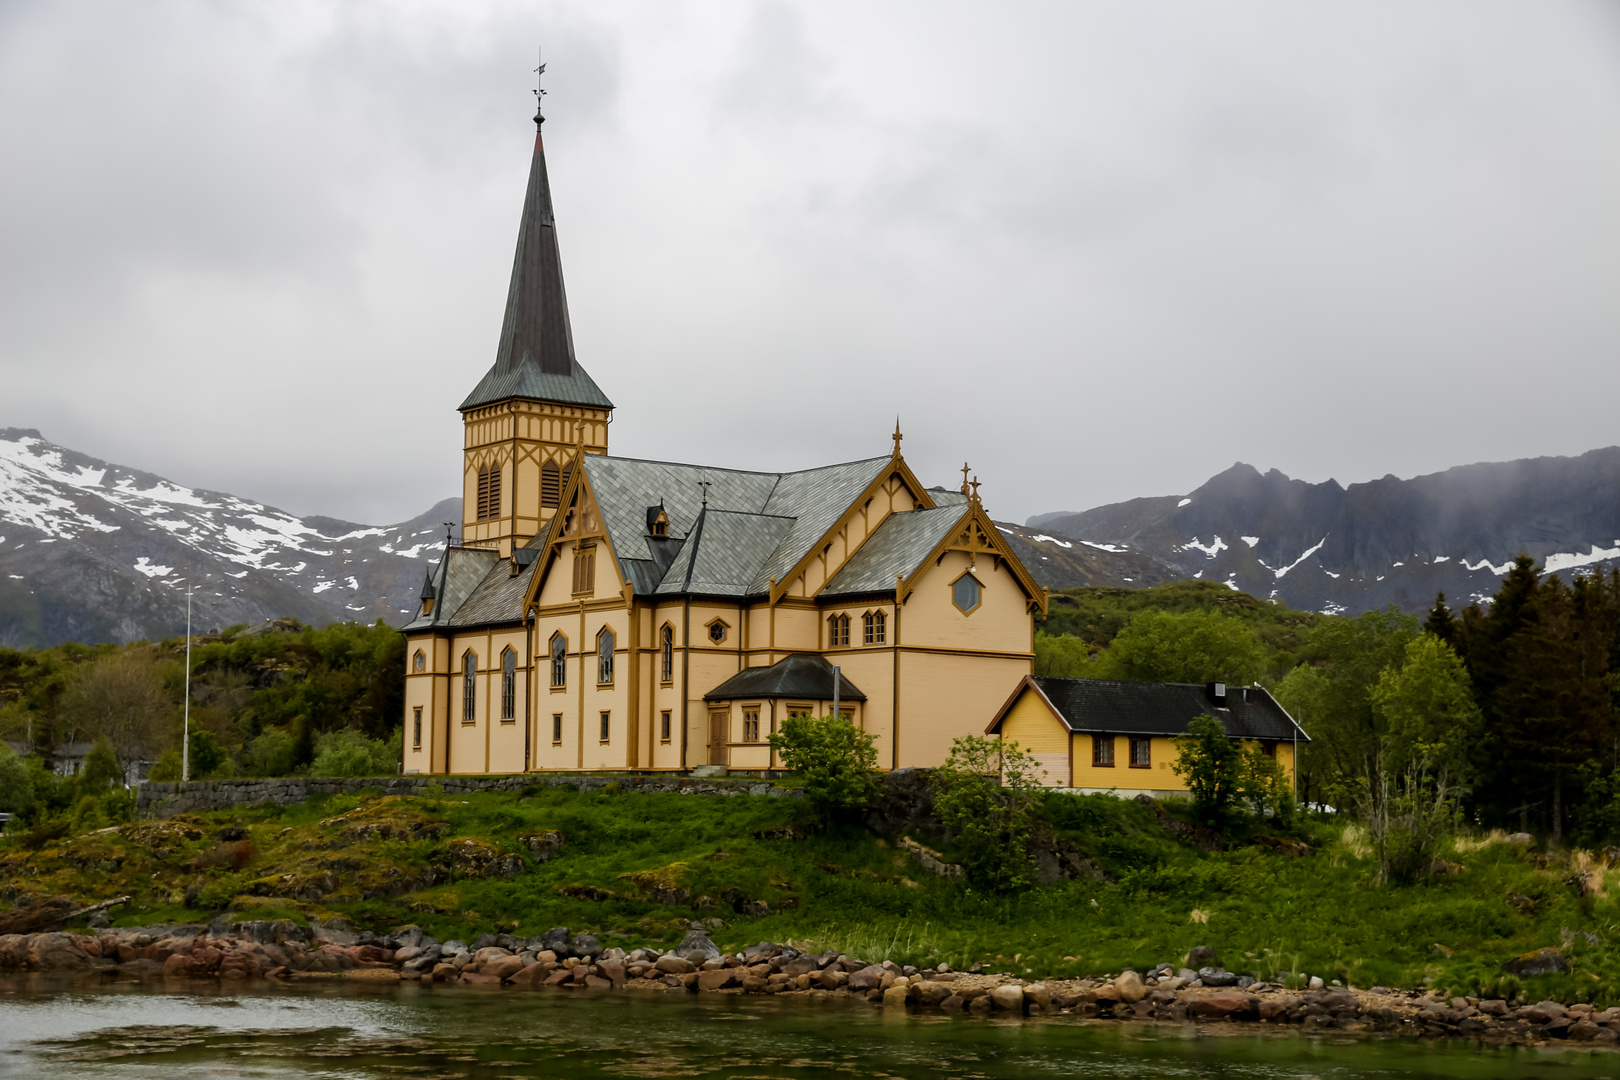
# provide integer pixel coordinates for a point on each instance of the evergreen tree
(1441, 623)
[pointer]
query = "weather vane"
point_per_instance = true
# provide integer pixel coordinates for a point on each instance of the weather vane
(704, 484)
(539, 91)
(449, 530)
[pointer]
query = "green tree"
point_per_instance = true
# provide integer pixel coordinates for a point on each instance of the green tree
(101, 772)
(1186, 647)
(349, 753)
(207, 755)
(16, 784)
(1213, 766)
(119, 698)
(1428, 710)
(1062, 655)
(836, 760)
(986, 795)
(271, 753)
(166, 768)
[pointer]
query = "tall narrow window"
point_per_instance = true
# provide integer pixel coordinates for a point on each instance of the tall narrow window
(1102, 751)
(508, 683)
(663, 726)
(880, 628)
(489, 492)
(550, 484)
(604, 658)
(750, 725)
(559, 660)
(469, 687)
(584, 569)
(837, 631)
(666, 670)
(416, 729)
(556, 729)
(607, 726)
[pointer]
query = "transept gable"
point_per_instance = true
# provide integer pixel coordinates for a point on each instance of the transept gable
(577, 526)
(976, 535)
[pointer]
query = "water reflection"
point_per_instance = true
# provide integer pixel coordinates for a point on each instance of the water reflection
(361, 1032)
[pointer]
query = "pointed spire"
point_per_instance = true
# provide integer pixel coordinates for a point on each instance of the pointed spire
(535, 355)
(897, 436)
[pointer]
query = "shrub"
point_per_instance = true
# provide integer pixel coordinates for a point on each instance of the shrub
(349, 753)
(986, 794)
(101, 771)
(273, 752)
(207, 755)
(166, 767)
(16, 785)
(1213, 767)
(834, 758)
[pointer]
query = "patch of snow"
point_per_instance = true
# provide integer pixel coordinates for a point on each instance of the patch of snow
(1308, 553)
(353, 584)
(1009, 532)
(322, 586)
(1044, 539)
(145, 566)
(1380, 577)
(1199, 574)
(1210, 550)
(1230, 584)
(1250, 540)
(1439, 559)
(15, 577)
(1331, 574)
(1398, 564)
(1333, 608)
(1485, 564)
(1569, 562)
(1105, 547)
(1183, 502)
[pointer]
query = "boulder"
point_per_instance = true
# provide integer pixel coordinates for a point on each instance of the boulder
(697, 942)
(1202, 956)
(614, 972)
(502, 967)
(830, 979)
(1277, 1009)
(896, 995)
(1008, 998)
(717, 979)
(1543, 1012)
(585, 946)
(1540, 962)
(1223, 1004)
(670, 964)
(867, 978)
(929, 993)
(1038, 994)
(1128, 986)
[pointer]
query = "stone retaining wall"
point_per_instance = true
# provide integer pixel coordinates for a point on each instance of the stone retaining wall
(165, 799)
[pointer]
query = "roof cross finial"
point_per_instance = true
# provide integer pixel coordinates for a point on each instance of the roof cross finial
(704, 484)
(965, 470)
(975, 495)
(539, 91)
(897, 436)
(449, 530)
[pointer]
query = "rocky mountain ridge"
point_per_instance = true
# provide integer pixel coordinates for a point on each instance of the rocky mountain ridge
(91, 551)
(1326, 547)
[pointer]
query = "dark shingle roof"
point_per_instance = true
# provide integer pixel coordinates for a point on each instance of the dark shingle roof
(535, 355)
(498, 598)
(458, 574)
(898, 546)
(805, 676)
(1152, 708)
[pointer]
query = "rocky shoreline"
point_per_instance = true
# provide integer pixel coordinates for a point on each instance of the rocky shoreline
(557, 960)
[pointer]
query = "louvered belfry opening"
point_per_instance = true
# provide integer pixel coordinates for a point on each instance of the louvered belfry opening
(550, 485)
(489, 493)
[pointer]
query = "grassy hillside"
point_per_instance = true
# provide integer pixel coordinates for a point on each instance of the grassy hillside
(637, 868)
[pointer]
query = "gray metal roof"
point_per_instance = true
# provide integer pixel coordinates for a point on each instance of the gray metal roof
(763, 523)
(898, 546)
(805, 676)
(498, 598)
(1111, 706)
(535, 355)
(723, 555)
(458, 573)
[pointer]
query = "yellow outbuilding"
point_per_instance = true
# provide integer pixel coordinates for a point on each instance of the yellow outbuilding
(1110, 735)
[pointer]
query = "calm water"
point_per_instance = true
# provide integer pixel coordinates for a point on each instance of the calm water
(358, 1033)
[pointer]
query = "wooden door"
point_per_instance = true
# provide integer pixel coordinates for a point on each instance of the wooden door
(719, 723)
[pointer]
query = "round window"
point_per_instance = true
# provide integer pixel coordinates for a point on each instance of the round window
(965, 593)
(717, 632)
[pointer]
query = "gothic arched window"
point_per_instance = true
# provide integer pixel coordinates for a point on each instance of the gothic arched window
(666, 646)
(508, 683)
(559, 660)
(469, 687)
(604, 657)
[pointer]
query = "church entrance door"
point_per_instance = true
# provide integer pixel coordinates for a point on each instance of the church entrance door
(719, 722)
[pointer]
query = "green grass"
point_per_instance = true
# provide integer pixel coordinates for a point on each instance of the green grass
(1266, 914)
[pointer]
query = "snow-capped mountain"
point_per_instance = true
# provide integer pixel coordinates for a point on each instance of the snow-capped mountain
(96, 552)
(1324, 547)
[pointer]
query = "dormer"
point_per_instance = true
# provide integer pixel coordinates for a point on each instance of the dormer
(657, 522)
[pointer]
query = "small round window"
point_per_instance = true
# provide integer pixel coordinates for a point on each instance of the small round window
(965, 593)
(419, 661)
(717, 632)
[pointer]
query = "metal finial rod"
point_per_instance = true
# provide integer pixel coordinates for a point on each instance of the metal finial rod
(704, 484)
(539, 90)
(449, 533)
(897, 436)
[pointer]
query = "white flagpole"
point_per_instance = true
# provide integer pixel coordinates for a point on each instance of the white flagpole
(185, 735)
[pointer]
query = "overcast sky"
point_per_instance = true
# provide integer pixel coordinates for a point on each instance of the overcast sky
(1099, 251)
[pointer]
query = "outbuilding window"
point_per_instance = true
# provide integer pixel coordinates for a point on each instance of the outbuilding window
(1141, 753)
(1102, 751)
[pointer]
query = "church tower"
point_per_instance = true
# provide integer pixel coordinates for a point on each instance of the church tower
(536, 410)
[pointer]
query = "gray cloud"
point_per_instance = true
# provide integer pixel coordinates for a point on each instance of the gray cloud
(1098, 250)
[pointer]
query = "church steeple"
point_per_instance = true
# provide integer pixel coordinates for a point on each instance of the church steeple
(536, 410)
(535, 355)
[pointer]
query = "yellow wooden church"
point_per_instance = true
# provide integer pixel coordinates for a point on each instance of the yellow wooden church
(609, 613)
